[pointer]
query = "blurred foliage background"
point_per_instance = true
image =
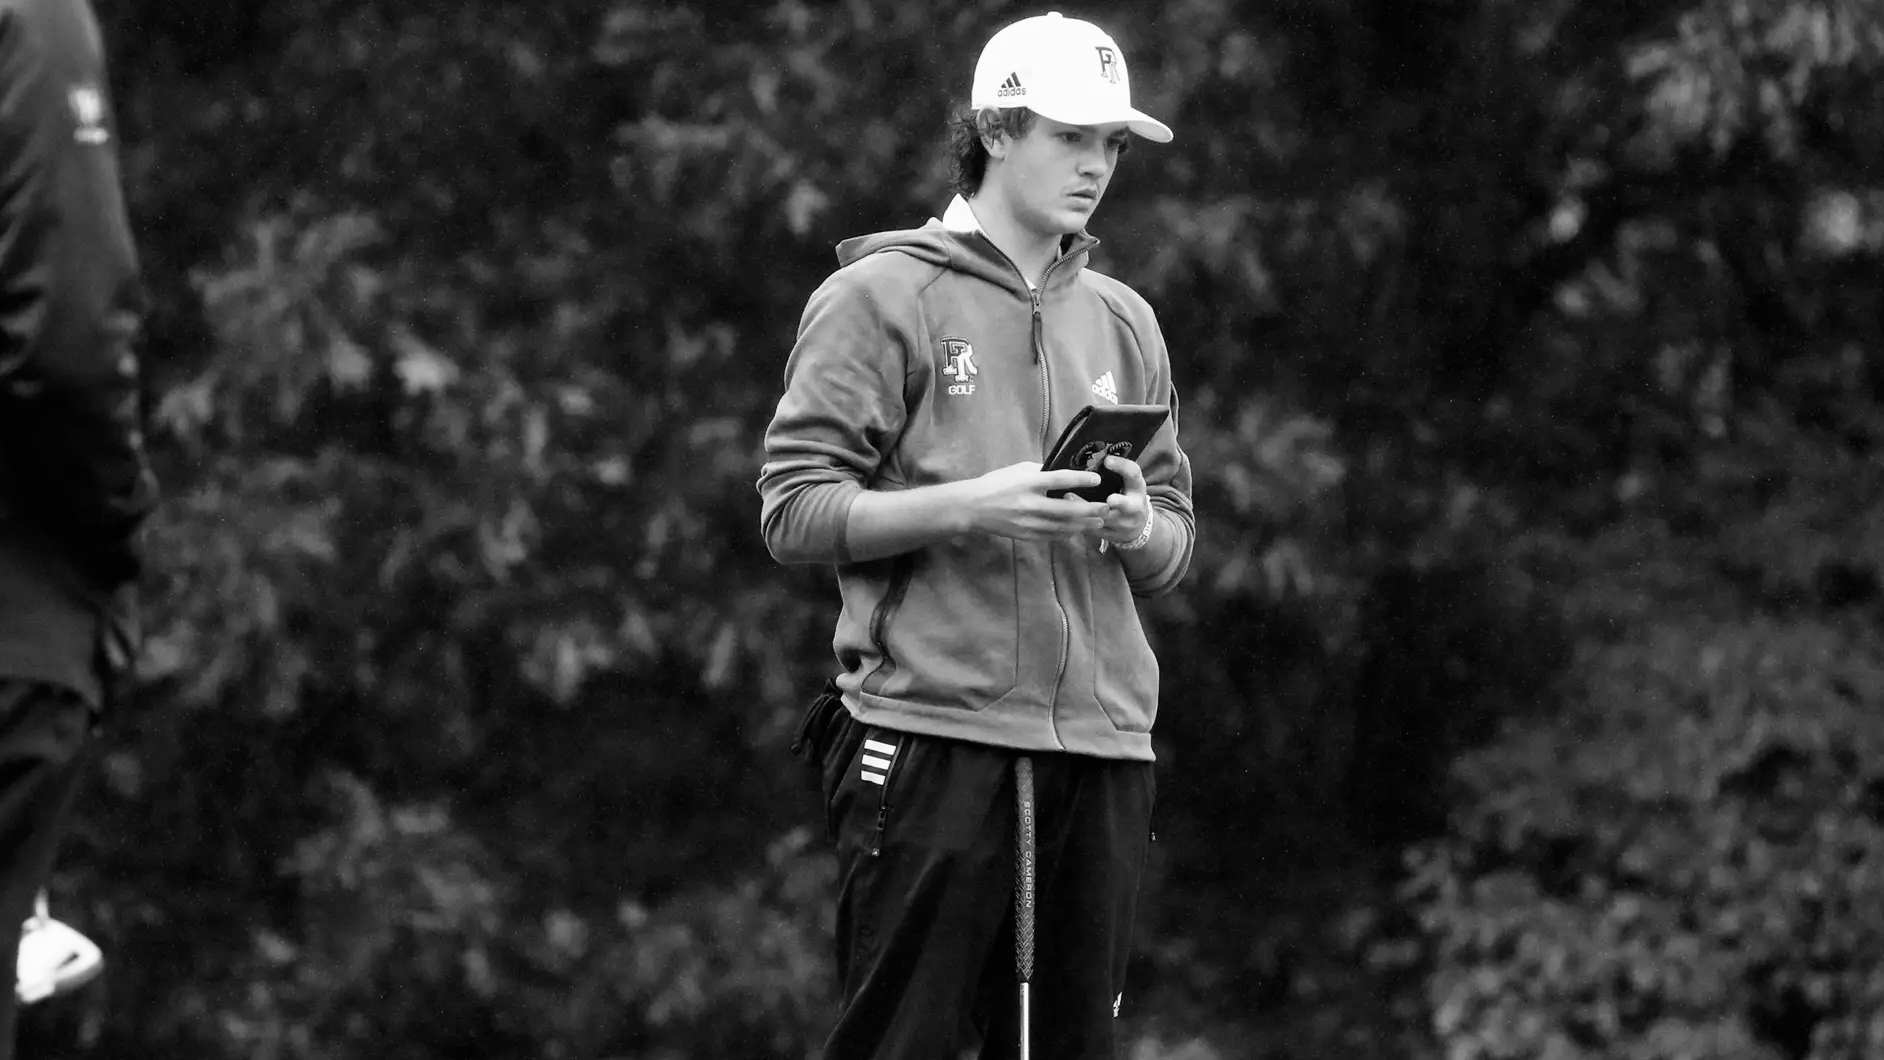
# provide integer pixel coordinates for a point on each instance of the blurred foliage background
(1524, 700)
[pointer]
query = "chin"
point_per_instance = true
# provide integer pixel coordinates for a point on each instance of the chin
(1059, 222)
(1071, 222)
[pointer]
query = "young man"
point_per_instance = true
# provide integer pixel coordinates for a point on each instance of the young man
(985, 619)
(74, 481)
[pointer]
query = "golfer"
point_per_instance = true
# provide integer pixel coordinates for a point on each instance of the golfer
(74, 481)
(985, 620)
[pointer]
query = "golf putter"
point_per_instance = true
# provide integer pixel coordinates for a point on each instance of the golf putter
(1024, 856)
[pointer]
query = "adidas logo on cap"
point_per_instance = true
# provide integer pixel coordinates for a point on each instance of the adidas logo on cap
(1011, 87)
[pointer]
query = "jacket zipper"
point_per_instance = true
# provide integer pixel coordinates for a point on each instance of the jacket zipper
(1053, 576)
(1046, 392)
(1046, 423)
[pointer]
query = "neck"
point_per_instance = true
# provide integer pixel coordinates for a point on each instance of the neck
(1031, 251)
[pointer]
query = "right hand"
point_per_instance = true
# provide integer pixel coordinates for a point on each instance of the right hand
(1012, 502)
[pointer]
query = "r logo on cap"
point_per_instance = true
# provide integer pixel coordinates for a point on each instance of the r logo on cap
(1108, 64)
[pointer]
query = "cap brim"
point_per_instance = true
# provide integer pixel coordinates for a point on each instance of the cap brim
(1149, 127)
(1136, 120)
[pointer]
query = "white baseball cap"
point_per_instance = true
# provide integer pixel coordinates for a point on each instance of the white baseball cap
(1061, 68)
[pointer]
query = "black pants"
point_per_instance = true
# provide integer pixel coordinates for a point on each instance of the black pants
(925, 833)
(44, 732)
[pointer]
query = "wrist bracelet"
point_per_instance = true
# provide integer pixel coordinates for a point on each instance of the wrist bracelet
(1144, 536)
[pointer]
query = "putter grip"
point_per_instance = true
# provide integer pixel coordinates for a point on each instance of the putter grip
(1024, 858)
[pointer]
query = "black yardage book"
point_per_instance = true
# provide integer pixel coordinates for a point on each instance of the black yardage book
(1099, 431)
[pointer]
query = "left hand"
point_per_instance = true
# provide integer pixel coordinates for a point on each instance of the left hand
(1126, 512)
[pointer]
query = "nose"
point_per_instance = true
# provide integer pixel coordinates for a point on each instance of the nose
(1095, 160)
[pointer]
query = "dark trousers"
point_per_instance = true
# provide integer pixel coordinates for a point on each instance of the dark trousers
(44, 731)
(925, 834)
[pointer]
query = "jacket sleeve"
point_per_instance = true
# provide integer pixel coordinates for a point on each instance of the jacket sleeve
(72, 453)
(1163, 562)
(841, 413)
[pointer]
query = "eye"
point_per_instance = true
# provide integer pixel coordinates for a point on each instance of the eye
(1120, 144)
(1070, 137)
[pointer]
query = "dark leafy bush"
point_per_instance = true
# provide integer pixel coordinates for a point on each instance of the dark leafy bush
(1689, 862)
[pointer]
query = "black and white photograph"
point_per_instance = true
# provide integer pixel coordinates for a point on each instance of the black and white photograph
(880, 530)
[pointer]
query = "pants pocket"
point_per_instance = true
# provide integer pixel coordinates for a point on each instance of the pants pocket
(876, 765)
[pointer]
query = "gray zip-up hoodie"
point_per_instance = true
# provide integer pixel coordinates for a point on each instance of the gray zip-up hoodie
(927, 358)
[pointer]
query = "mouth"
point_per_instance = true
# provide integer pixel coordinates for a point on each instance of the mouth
(1085, 195)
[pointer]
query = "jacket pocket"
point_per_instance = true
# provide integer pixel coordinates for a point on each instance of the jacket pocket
(954, 634)
(1124, 668)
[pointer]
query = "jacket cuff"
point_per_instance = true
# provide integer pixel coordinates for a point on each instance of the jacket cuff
(1160, 565)
(811, 526)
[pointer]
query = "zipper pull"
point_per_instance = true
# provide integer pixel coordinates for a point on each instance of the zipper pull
(876, 841)
(1037, 326)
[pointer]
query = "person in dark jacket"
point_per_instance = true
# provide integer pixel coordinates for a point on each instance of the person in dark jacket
(988, 633)
(75, 483)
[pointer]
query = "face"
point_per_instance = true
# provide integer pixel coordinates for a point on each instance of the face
(1054, 177)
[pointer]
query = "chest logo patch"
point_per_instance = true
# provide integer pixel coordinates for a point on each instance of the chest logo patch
(959, 366)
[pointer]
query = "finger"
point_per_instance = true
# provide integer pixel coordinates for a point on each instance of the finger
(1077, 511)
(1073, 512)
(1055, 528)
(1128, 470)
(1125, 514)
(1068, 479)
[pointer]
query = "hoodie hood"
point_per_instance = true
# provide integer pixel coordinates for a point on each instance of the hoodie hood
(955, 241)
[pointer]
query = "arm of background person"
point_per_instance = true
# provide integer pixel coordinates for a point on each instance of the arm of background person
(71, 300)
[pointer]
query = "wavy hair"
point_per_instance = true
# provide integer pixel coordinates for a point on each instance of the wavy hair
(968, 155)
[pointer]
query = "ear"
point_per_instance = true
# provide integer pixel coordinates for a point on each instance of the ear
(995, 142)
